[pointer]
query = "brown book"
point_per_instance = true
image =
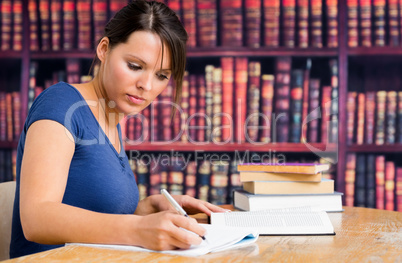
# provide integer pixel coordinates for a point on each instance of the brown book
(398, 189)
(268, 176)
(350, 178)
(380, 117)
(201, 104)
(55, 16)
(353, 23)
(326, 113)
(116, 5)
(306, 87)
(208, 99)
(391, 112)
(272, 13)
(389, 185)
(370, 116)
(100, 9)
(44, 14)
(332, 23)
(84, 24)
(289, 22)
(207, 23)
(379, 22)
(189, 21)
(6, 22)
(175, 5)
(69, 25)
(267, 94)
(361, 103)
(296, 104)
(33, 25)
(17, 25)
(231, 31)
(314, 104)
(192, 108)
(253, 22)
(302, 23)
(302, 168)
(216, 133)
(316, 23)
(365, 22)
(350, 112)
(227, 64)
(326, 186)
(393, 23)
(253, 100)
(380, 181)
(190, 181)
(240, 91)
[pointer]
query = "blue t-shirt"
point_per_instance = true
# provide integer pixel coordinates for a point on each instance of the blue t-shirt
(100, 179)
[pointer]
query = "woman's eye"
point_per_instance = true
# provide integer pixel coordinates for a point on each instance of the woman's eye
(133, 66)
(162, 77)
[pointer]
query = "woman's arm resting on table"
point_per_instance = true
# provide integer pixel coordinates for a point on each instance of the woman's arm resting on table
(49, 149)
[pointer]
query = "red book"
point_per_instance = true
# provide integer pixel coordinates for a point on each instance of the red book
(99, 18)
(361, 103)
(202, 117)
(391, 113)
(3, 116)
(393, 23)
(189, 21)
(306, 86)
(370, 115)
(380, 117)
(231, 31)
(17, 25)
(253, 22)
(216, 134)
(165, 112)
(154, 120)
(33, 25)
(272, 13)
(227, 64)
(289, 19)
(56, 7)
(190, 180)
(267, 94)
(389, 185)
(379, 22)
(332, 23)
(353, 24)
(350, 176)
(16, 107)
(398, 189)
(175, 5)
(380, 178)
(365, 22)
(240, 91)
(6, 22)
(184, 107)
(116, 5)
(314, 104)
(192, 108)
(9, 114)
(208, 100)
(351, 110)
(302, 22)
(326, 113)
(84, 24)
(44, 13)
(207, 23)
(69, 25)
(253, 101)
(316, 23)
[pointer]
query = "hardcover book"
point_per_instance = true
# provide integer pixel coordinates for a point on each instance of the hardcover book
(302, 168)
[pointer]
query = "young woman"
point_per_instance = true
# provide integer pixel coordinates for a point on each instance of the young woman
(74, 183)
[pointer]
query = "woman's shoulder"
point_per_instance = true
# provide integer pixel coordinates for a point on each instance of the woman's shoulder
(62, 91)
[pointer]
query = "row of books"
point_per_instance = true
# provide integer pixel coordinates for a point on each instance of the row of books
(10, 115)
(212, 179)
(7, 165)
(374, 23)
(284, 185)
(236, 102)
(372, 180)
(69, 24)
(374, 117)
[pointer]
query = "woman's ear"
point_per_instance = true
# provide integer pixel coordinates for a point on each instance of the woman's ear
(102, 48)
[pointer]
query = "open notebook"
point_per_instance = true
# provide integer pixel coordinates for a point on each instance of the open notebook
(218, 238)
(287, 221)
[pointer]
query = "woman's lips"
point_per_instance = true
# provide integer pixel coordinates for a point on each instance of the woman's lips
(136, 99)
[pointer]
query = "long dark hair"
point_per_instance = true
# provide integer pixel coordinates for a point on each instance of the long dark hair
(154, 17)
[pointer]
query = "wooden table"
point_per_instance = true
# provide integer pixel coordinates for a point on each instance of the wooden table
(362, 235)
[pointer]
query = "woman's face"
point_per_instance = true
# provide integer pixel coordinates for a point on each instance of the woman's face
(132, 75)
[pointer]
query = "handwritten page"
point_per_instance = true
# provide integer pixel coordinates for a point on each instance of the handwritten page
(218, 238)
(290, 221)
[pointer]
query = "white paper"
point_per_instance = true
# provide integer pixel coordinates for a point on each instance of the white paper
(218, 238)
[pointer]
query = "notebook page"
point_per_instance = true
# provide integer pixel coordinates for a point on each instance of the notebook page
(218, 238)
(278, 221)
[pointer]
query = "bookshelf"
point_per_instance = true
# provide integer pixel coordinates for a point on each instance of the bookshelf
(349, 58)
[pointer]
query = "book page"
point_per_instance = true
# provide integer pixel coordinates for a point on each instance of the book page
(289, 221)
(218, 238)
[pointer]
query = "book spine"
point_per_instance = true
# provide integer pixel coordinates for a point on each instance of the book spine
(175, 5)
(353, 23)
(380, 185)
(219, 182)
(192, 110)
(191, 179)
(350, 112)
(316, 23)
(185, 97)
(350, 178)
(398, 189)
(6, 24)
(289, 19)
(55, 17)
(240, 90)
(302, 23)
(154, 120)
(203, 180)
(371, 181)
(282, 98)
(165, 110)
(389, 185)
(155, 178)
(9, 112)
(379, 22)
(332, 23)
(393, 23)
(189, 21)
(44, 12)
(227, 64)
(380, 120)
(99, 18)
(32, 82)
(390, 128)
(326, 113)
(17, 25)
(116, 5)
(267, 95)
(365, 22)
(360, 193)
(231, 13)
(314, 94)
(306, 86)
(253, 101)
(208, 100)
(370, 114)
(69, 25)
(146, 124)
(234, 181)
(16, 108)
(201, 109)
(253, 23)
(142, 175)
(73, 70)
(333, 64)
(272, 13)
(399, 117)
(361, 101)
(176, 176)
(217, 105)
(84, 24)
(3, 116)
(33, 25)
(207, 23)
(296, 96)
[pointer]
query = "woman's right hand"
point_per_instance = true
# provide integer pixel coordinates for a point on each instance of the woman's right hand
(167, 231)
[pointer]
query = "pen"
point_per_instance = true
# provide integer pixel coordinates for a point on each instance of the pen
(175, 205)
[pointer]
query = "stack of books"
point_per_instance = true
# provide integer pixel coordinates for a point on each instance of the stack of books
(268, 186)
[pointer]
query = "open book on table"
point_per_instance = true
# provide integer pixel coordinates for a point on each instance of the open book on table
(286, 221)
(218, 238)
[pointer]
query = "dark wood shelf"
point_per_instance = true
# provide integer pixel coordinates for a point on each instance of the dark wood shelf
(372, 148)
(262, 51)
(8, 145)
(375, 51)
(11, 54)
(211, 147)
(63, 54)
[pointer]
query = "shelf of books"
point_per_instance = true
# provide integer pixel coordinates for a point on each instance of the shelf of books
(314, 81)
